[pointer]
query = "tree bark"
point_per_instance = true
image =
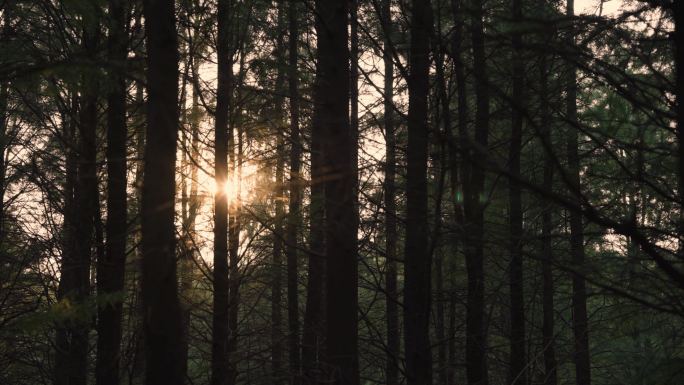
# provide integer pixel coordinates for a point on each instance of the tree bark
(579, 291)
(331, 104)
(67, 281)
(518, 359)
(548, 337)
(417, 259)
(293, 218)
(111, 270)
(473, 207)
(391, 292)
(276, 285)
(314, 315)
(75, 287)
(161, 309)
(220, 372)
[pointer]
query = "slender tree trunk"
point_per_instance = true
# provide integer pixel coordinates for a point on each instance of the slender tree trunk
(294, 204)
(137, 369)
(473, 189)
(313, 332)
(276, 289)
(190, 208)
(445, 118)
(354, 98)
(111, 270)
(440, 331)
(548, 340)
(220, 370)
(235, 160)
(417, 259)
(72, 369)
(276, 285)
(392, 298)
(678, 12)
(579, 291)
(161, 309)
(518, 358)
(458, 174)
(5, 26)
(331, 105)
(67, 282)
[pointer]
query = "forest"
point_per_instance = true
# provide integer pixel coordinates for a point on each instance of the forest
(347, 192)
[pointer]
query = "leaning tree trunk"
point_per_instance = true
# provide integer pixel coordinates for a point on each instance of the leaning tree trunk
(161, 308)
(111, 270)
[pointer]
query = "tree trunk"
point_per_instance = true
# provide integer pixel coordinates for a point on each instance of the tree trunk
(678, 12)
(313, 332)
(235, 160)
(417, 258)
(111, 270)
(161, 309)
(392, 298)
(294, 205)
(75, 287)
(331, 105)
(579, 291)
(473, 207)
(67, 282)
(548, 337)
(5, 32)
(220, 370)
(276, 285)
(518, 361)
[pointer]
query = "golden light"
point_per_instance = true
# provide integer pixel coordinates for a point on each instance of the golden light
(229, 188)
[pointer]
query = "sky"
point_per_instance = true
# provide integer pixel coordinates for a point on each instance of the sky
(593, 6)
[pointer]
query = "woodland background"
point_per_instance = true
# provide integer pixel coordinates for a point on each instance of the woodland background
(351, 192)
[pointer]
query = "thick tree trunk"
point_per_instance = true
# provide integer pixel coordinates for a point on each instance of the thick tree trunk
(161, 309)
(517, 361)
(473, 191)
(331, 105)
(579, 291)
(391, 292)
(293, 217)
(111, 270)
(417, 258)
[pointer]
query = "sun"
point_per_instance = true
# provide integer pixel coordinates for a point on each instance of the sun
(229, 189)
